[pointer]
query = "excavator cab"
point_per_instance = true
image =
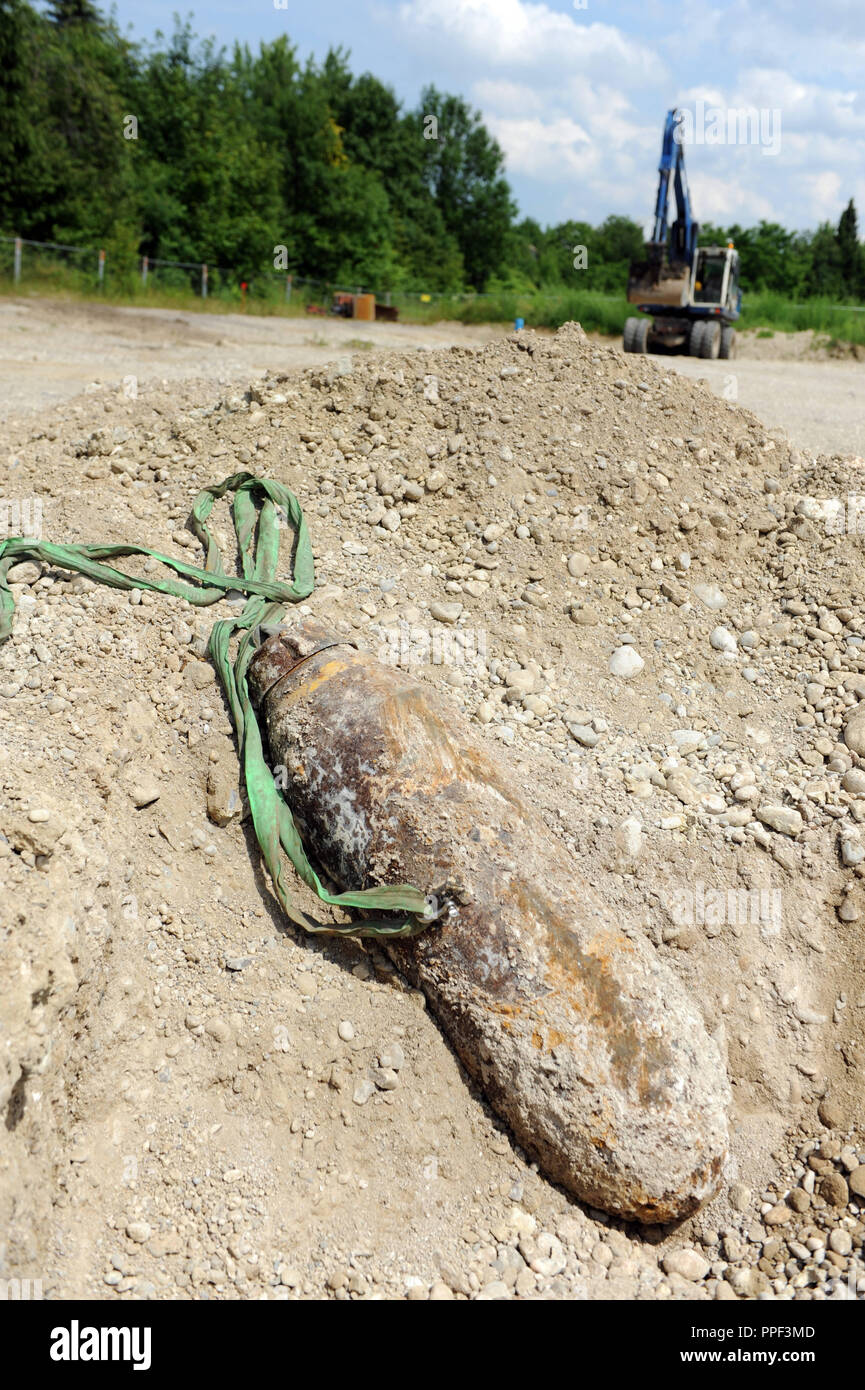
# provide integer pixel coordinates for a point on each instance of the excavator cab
(716, 277)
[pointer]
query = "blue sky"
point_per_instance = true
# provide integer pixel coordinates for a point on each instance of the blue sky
(576, 92)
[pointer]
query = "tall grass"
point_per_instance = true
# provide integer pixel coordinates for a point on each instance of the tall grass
(600, 313)
(821, 316)
(72, 285)
(542, 308)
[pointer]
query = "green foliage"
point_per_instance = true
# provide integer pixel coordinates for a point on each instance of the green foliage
(463, 170)
(24, 184)
(543, 308)
(851, 254)
(553, 257)
(828, 263)
(178, 151)
(817, 315)
(256, 162)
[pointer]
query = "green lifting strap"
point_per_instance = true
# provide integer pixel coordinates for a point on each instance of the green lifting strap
(257, 530)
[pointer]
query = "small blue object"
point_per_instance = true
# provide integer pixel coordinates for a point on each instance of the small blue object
(518, 324)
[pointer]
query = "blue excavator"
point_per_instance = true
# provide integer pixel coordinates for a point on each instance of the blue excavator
(691, 294)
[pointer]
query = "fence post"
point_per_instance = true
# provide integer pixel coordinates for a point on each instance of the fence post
(204, 282)
(144, 266)
(17, 261)
(287, 288)
(101, 274)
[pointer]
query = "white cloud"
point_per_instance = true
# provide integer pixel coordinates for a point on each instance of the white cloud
(525, 36)
(723, 200)
(578, 104)
(824, 189)
(550, 149)
(495, 95)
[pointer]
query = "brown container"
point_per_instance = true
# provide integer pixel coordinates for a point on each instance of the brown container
(364, 307)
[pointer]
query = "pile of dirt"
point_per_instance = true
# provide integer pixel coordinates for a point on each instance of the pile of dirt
(656, 607)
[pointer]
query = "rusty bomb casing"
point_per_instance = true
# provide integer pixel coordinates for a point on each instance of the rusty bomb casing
(583, 1041)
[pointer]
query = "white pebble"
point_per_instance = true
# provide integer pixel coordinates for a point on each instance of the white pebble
(626, 662)
(723, 640)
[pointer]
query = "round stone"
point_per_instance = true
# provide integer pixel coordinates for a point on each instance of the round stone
(722, 639)
(626, 662)
(830, 1113)
(834, 1190)
(854, 730)
(841, 1241)
(688, 1264)
(856, 1181)
(445, 612)
(578, 565)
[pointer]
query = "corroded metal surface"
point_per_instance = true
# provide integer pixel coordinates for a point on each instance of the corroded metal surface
(583, 1041)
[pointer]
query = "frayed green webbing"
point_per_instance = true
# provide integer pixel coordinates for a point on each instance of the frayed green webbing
(258, 541)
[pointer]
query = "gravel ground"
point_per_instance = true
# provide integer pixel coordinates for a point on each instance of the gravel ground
(51, 351)
(671, 658)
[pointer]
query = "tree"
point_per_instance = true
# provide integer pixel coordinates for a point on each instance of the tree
(24, 185)
(66, 12)
(851, 254)
(824, 273)
(463, 170)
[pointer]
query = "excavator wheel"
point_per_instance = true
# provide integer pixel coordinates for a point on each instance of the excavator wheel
(695, 337)
(636, 335)
(710, 341)
(728, 341)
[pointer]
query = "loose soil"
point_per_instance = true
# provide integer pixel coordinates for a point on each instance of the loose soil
(182, 1084)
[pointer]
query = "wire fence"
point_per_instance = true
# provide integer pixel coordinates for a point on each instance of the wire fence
(89, 269)
(24, 260)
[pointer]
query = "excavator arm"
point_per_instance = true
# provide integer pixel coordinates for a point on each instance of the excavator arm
(682, 245)
(664, 277)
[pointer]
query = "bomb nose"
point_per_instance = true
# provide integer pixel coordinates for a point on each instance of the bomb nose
(285, 646)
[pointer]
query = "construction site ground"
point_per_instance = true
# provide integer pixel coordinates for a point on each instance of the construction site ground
(51, 350)
(185, 1077)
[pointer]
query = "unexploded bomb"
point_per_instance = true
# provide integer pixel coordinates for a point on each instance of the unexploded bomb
(581, 1038)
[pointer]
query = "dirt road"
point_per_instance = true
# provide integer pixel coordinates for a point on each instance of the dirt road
(820, 404)
(52, 350)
